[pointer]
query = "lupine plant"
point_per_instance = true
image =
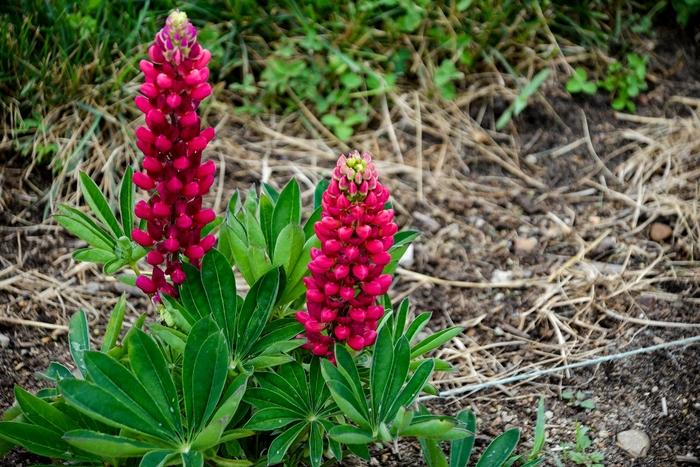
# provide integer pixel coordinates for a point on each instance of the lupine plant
(312, 364)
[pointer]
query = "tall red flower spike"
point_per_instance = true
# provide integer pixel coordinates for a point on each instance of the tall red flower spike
(356, 233)
(172, 143)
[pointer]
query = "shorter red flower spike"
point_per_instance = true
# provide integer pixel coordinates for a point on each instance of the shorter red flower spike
(355, 232)
(172, 143)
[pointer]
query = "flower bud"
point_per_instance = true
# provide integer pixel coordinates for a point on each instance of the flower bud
(142, 238)
(143, 181)
(145, 284)
(154, 257)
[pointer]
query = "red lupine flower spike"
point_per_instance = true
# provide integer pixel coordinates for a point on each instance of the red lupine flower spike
(355, 232)
(172, 142)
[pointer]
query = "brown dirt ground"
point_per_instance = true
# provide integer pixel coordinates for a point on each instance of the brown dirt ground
(468, 233)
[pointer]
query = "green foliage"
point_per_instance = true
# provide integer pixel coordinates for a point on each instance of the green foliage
(522, 98)
(499, 453)
(579, 83)
(579, 452)
(579, 399)
(626, 82)
(109, 240)
(685, 10)
(623, 81)
(335, 60)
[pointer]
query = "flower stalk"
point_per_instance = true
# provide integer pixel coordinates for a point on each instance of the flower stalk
(355, 232)
(172, 142)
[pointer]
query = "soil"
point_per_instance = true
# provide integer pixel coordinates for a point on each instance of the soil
(467, 236)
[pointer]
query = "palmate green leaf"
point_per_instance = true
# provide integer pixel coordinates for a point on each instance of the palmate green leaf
(435, 340)
(434, 427)
(275, 332)
(432, 453)
(348, 434)
(220, 291)
(120, 351)
(158, 458)
(151, 369)
(397, 377)
(43, 414)
(172, 337)
(234, 244)
(211, 435)
(401, 318)
(263, 397)
(271, 418)
(79, 339)
(316, 444)
(321, 187)
(99, 205)
(280, 445)
(114, 378)
(287, 209)
(41, 441)
(296, 287)
(107, 446)
(192, 459)
(126, 202)
(262, 362)
(540, 435)
(295, 376)
(318, 391)
(381, 371)
(287, 382)
(461, 449)
(94, 255)
(353, 406)
(500, 449)
(183, 318)
(251, 200)
(347, 367)
(114, 326)
(55, 372)
(417, 325)
(99, 404)
(84, 228)
(348, 403)
(402, 240)
(271, 192)
(265, 209)
(411, 390)
(193, 293)
(203, 372)
(255, 312)
(289, 246)
(256, 237)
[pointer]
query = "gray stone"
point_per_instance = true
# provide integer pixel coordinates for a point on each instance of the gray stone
(635, 442)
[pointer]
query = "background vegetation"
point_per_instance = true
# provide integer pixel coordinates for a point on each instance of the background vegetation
(336, 62)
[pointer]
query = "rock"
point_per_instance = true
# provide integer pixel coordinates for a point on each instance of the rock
(634, 442)
(4, 340)
(524, 245)
(659, 232)
(501, 276)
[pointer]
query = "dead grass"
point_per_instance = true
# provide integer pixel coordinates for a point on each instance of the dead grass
(592, 282)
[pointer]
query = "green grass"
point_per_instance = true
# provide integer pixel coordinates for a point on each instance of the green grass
(334, 60)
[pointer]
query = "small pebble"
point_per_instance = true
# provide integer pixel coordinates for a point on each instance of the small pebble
(4, 340)
(660, 232)
(524, 245)
(635, 442)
